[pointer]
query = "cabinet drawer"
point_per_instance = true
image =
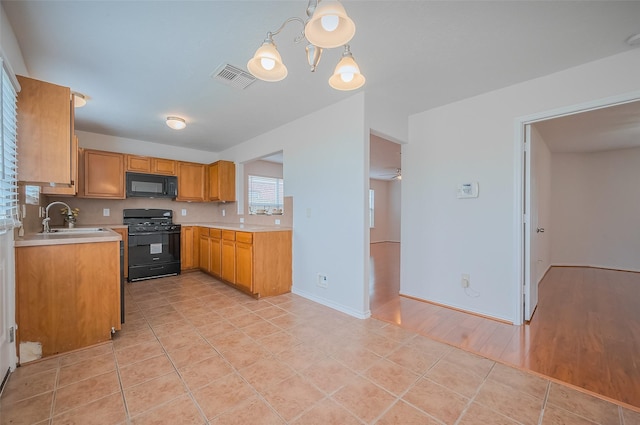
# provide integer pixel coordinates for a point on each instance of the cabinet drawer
(244, 237)
(215, 233)
(228, 235)
(203, 231)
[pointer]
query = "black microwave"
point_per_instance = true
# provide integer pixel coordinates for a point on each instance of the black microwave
(151, 186)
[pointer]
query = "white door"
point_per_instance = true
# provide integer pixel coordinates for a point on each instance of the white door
(531, 230)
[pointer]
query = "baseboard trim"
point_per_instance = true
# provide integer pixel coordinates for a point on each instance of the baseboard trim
(473, 313)
(331, 304)
(589, 266)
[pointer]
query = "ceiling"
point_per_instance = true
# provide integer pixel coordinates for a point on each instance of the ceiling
(141, 61)
(610, 128)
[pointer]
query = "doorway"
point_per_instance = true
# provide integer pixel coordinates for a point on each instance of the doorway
(587, 147)
(385, 177)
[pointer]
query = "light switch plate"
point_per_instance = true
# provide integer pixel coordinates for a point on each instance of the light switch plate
(106, 212)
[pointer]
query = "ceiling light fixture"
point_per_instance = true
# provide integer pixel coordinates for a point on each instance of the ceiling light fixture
(326, 27)
(633, 40)
(176, 123)
(79, 100)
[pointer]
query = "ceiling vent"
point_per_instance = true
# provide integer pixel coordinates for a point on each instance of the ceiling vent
(233, 76)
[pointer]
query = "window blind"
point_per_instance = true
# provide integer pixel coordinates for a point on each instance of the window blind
(9, 161)
(265, 193)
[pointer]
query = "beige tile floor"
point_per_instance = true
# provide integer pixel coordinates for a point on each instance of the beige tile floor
(194, 351)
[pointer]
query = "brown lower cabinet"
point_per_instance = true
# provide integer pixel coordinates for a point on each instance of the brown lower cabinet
(189, 248)
(65, 298)
(258, 263)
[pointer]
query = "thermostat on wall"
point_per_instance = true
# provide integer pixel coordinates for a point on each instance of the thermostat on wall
(467, 190)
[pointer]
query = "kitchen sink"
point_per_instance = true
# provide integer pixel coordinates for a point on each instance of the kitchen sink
(76, 230)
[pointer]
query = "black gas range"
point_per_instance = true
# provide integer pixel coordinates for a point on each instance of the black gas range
(154, 243)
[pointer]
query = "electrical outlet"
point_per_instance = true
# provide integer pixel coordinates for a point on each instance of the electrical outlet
(323, 281)
(465, 281)
(224, 212)
(184, 212)
(277, 221)
(106, 212)
(241, 219)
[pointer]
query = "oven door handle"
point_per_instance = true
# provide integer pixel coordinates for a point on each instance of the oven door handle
(169, 232)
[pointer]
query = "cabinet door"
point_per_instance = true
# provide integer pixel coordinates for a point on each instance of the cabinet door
(244, 265)
(205, 266)
(72, 189)
(45, 132)
(103, 175)
(191, 181)
(163, 166)
(188, 246)
(222, 181)
(215, 245)
(138, 164)
(229, 260)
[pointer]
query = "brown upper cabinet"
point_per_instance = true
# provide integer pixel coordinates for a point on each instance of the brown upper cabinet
(67, 190)
(146, 164)
(191, 181)
(222, 181)
(45, 133)
(101, 175)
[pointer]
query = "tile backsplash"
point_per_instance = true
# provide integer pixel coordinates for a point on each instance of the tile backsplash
(92, 212)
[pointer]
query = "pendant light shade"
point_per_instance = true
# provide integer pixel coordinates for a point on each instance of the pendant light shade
(267, 64)
(330, 26)
(347, 74)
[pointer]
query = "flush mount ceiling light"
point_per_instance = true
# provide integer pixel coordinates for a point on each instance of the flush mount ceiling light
(176, 123)
(79, 100)
(326, 27)
(633, 40)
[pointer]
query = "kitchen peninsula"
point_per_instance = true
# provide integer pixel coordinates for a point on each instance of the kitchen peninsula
(67, 290)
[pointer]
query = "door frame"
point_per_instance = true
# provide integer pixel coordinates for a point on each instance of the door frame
(522, 197)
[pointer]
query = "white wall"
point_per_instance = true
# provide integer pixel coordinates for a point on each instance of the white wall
(474, 140)
(595, 209)
(145, 148)
(386, 211)
(9, 46)
(324, 172)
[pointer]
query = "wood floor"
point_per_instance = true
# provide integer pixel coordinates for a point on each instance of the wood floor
(585, 331)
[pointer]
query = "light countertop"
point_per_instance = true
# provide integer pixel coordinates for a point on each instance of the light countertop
(64, 238)
(240, 227)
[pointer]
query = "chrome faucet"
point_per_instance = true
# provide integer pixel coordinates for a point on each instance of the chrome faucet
(45, 222)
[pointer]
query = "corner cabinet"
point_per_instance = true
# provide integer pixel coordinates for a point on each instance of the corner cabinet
(45, 133)
(191, 181)
(101, 175)
(258, 263)
(221, 182)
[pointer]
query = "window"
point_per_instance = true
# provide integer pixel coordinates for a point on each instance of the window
(371, 208)
(266, 194)
(8, 160)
